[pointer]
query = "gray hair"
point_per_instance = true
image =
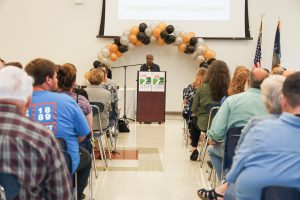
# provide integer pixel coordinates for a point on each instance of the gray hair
(15, 84)
(271, 92)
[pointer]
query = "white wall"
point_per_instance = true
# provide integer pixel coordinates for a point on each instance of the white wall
(64, 32)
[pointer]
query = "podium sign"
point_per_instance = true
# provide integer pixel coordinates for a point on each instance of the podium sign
(152, 81)
(151, 96)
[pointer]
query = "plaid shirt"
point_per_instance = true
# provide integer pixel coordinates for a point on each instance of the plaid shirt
(30, 152)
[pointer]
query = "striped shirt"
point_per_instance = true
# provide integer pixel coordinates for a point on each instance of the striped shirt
(30, 152)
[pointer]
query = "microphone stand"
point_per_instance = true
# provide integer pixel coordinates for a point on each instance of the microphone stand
(125, 67)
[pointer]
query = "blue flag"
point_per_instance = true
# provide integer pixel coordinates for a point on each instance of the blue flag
(277, 49)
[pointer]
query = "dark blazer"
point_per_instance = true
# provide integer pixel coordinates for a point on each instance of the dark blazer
(153, 68)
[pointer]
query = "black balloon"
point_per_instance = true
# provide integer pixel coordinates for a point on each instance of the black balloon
(142, 27)
(141, 36)
(122, 48)
(117, 40)
(146, 40)
(190, 49)
(170, 39)
(193, 41)
(170, 29)
(164, 34)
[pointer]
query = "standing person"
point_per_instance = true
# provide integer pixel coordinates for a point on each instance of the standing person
(149, 65)
(212, 90)
(61, 114)
(28, 150)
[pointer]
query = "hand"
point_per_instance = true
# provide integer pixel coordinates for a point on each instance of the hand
(211, 142)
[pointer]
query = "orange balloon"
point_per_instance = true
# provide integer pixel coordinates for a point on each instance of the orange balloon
(113, 56)
(132, 38)
(114, 48)
(160, 41)
(186, 38)
(119, 54)
(162, 26)
(134, 30)
(182, 47)
(138, 43)
(208, 54)
(156, 32)
(192, 34)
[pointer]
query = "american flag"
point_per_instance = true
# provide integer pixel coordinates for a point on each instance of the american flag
(277, 49)
(257, 62)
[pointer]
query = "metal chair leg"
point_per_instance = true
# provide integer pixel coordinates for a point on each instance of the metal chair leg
(204, 152)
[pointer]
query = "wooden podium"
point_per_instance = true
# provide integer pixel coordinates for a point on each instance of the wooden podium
(151, 96)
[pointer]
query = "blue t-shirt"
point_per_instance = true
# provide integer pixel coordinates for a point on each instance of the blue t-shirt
(61, 114)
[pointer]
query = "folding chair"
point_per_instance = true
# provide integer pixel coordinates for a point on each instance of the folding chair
(98, 133)
(212, 109)
(9, 186)
(280, 193)
(232, 138)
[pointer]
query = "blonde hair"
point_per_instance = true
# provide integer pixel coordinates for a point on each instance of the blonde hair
(95, 76)
(199, 77)
(239, 79)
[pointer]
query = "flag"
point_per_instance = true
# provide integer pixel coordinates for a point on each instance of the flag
(257, 59)
(277, 49)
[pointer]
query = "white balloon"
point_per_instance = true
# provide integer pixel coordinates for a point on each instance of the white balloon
(200, 42)
(99, 55)
(200, 59)
(130, 46)
(178, 31)
(178, 41)
(200, 49)
(124, 40)
(126, 32)
(105, 61)
(105, 52)
(153, 39)
(148, 31)
(194, 55)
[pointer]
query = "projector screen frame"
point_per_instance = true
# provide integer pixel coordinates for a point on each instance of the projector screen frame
(246, 17)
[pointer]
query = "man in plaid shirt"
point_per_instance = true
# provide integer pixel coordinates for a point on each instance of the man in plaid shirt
(27, 149)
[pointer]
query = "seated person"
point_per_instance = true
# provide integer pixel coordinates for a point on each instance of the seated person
(61, 114)
(212, 90)
(271, 95)
(236, 111)
(29, 151)
(66, 83)
(269, 154)
(97, 93)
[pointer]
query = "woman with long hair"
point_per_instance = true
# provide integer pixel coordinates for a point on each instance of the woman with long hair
(212, 90)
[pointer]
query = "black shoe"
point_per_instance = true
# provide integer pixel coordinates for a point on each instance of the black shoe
(194, 155)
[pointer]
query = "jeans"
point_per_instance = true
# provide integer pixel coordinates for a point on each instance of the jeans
(230, 193)
(216, 153)
(83, 171)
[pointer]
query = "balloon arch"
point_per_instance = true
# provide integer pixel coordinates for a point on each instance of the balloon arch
(161, 34)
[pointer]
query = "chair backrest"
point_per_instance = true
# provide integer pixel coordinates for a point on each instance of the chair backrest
(232, 138)
(280, 193)
(63, 147)
(10, 185)
(211, 114)
(99, 123)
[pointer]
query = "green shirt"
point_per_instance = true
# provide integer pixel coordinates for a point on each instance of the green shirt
(201, 99)
(236, 111)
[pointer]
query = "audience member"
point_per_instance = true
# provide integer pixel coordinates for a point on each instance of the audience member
(288, 72)
(99, 94)
(66, 82)
(97, 64)
(16, 64)
(61, 114)
(271, 95)
(269, 154)
(189, 92)
(236, 111)
(149, 65)
(28, 150)
(212, 90)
